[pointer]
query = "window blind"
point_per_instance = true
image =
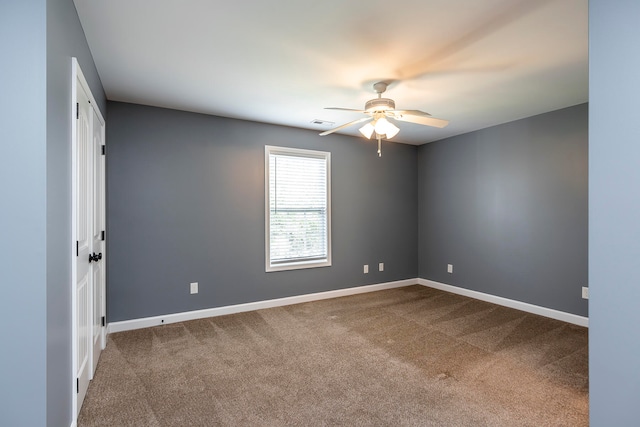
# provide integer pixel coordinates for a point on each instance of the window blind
(298, 207)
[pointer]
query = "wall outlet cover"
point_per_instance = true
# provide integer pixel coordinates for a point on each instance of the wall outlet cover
(449, 268)
(366, 268)
(381, 266)
(585, 292)
(193, 286)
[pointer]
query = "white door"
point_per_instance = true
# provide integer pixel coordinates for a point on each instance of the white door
(97, 243)
(83, 211)
(88, 226)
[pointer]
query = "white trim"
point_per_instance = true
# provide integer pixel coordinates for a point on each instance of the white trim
(75, 70)
(147, 322)
(294, 265)
(518, 305)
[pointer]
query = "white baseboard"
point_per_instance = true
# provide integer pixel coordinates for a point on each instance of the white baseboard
(523, 306)
(128, 325)
(146, 322)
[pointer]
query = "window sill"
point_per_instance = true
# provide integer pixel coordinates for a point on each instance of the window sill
(298, 265)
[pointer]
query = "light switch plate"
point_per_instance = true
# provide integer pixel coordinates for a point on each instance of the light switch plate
(194, 287)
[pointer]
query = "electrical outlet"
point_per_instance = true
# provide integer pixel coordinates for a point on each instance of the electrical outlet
(194, 287)
(381, 266)
(585, 292)
(366, 268)
(450, 268)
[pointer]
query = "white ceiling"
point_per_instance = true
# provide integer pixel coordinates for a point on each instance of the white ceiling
(475, 63)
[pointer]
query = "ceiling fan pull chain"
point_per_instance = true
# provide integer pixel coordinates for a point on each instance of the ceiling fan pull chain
(379, 148)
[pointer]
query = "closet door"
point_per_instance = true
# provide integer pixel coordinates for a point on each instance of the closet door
(88, 227)
(84, 256)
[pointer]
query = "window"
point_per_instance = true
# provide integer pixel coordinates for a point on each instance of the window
(298, 208)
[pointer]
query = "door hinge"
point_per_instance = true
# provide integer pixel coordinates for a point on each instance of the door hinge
(103, 149)
(102, 236)
(77, 110)
(77, 248)
(104, 321)
(77, 385)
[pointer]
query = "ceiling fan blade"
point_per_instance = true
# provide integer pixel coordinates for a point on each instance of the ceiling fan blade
(344, 109)
(518, 10)
(421, 120)
(327, 132)
(411, 112)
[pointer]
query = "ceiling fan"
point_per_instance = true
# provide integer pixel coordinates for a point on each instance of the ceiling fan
(378, 111)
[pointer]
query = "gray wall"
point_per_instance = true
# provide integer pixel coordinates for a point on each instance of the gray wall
(65, 39)
(507, 206)
(185, 203)
(37, 39)
(614, 213)
(23, 214)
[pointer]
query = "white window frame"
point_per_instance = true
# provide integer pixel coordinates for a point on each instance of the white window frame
(295, 265)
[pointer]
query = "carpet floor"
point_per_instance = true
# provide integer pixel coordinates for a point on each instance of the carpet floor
(412, 356)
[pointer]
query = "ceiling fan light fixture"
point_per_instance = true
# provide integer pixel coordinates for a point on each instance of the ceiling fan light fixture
(392, 130)
(381, 126)
(367, 130)
(385, 127)
(378, 110)
(379, 104)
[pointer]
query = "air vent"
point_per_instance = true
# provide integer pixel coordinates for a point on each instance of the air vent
(322, 122)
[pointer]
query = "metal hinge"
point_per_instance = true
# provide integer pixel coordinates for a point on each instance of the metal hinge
(77, 385)
(103, 149)
(104, 321)
(77, 248)
(77, 110)
(102, 236)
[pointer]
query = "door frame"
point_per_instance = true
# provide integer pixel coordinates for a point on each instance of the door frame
(77, 77)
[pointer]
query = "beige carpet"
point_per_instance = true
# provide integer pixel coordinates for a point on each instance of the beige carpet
(412, 356)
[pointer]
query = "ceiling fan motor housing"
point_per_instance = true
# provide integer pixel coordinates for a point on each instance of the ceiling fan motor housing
(379, 104)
